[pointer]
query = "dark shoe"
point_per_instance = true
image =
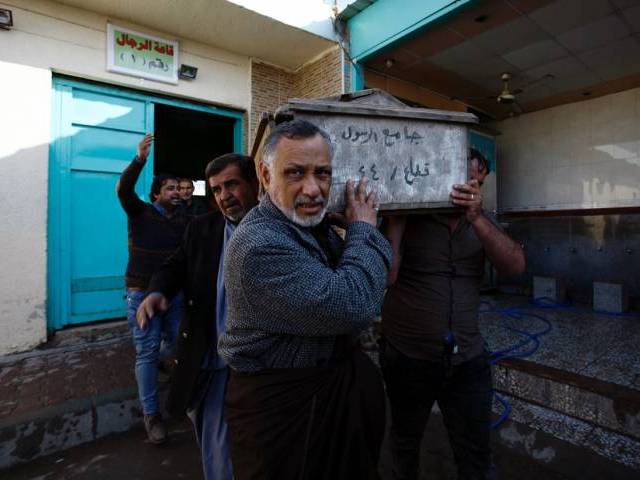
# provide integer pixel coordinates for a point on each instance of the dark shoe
(156, 431)
(165, 369)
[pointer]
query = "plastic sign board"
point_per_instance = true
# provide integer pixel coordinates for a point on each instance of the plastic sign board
(141, 55)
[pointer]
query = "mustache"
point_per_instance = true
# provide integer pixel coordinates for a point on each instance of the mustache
(305, 200)
(230, 203)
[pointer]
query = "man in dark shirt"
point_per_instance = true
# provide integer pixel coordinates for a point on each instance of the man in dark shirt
(155, 231)
(193, 206)
(200, 375)
(432, 349)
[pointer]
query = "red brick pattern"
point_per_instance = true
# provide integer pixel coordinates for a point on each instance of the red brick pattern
(321, 78)
(272, 86)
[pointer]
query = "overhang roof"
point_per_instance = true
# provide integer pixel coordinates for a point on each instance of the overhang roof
(557, 51)
(218, 23)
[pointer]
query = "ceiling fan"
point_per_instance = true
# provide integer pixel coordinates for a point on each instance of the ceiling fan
(508, 96)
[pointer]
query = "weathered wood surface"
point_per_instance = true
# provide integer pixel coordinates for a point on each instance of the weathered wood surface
(411, 163)
(412, 156)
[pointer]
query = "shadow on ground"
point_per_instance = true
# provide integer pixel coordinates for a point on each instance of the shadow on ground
(120, 456)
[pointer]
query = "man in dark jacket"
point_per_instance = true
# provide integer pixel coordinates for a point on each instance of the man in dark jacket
(193, 206)
(200, 375)
(155, 231)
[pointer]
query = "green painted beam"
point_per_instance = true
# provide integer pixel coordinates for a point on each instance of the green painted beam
(388, 21)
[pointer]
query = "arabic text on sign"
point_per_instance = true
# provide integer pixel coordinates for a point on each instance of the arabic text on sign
(389, 137)
(125, 40)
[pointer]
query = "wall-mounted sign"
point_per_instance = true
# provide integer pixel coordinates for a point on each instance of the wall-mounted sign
(141, 55)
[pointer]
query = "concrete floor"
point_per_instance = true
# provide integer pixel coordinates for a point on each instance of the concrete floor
(118, 457)
(129, 456)
(594, 345)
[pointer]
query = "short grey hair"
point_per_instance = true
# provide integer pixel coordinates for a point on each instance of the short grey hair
(293, 130)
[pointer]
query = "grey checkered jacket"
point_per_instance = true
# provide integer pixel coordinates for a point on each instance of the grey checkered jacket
(285, 304)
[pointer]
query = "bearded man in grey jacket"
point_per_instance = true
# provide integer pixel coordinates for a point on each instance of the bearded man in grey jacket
(302, 401)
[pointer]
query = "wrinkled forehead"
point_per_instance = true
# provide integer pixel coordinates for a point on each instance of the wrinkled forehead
(169, 183)
(304, 151)
(230, 172)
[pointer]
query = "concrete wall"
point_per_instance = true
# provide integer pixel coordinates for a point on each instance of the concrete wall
(72, 41)
(576, 156)
(51, 38)
(24, 137)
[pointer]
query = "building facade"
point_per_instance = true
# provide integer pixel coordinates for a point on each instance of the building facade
(69, 126)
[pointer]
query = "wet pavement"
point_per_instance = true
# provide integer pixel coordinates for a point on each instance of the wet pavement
(126, 456)
(597, 346)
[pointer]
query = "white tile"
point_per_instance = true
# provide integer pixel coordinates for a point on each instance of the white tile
(596, 34)
(535, 54)
(625, 3)
(632, 15)
(563, 67)
(510, 36)
(615, 60)
(584, 80)
(559, 190)
(564, 15)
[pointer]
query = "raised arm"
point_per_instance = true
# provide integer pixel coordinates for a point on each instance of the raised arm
(125, 188)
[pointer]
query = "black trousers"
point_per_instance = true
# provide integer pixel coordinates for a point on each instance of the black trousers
(317, 423)
(464, 395)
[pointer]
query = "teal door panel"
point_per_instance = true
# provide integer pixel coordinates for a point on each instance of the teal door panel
(108, 111)
(94, 140)
(99, 230)
(486, 145)
(95, 132)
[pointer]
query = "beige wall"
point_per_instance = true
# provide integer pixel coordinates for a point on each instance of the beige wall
(24, 136)
(72, 41)
(578, 156)
(49, 38)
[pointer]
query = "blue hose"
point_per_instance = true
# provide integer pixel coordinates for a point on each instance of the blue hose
(530, 341)
(525, 347)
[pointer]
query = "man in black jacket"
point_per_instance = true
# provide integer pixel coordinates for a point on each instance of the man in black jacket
(200, 375)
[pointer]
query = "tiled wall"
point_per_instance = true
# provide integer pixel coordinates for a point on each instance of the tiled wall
(576, 156)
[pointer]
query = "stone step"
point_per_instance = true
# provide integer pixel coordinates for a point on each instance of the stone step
(74, 389)
(604, 404)
(557, 416)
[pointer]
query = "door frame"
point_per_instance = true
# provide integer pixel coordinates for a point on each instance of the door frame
(58, 220)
